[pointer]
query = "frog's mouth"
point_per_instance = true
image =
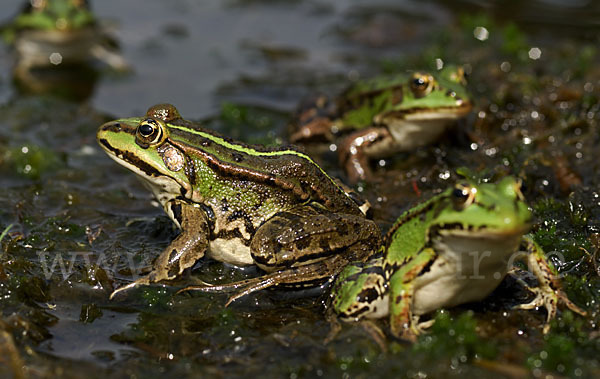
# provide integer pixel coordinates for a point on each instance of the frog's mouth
(466, 231)
(129, 160)
(439, 113)
(456, 241)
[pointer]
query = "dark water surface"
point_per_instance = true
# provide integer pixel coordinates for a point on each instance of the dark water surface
(81, 223)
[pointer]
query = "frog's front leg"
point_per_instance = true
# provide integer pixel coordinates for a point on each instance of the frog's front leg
(548, 293)
(355, 150)
(184, 251)
(402, 322)
(308, 234)
(313, 120)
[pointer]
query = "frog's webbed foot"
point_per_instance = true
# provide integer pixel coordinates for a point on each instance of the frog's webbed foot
(548, 298)
(548, 293)
(414, 328)
(369, 326)
(140, 282)
(334, 326)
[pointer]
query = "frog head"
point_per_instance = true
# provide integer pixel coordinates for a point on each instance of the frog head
(55, 15)
(144, 145)
(432, 97)
(401, 100)
(491, 207)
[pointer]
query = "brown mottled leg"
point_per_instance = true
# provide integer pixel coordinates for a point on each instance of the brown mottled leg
(304, 246)
(312, 121)
(354, 151)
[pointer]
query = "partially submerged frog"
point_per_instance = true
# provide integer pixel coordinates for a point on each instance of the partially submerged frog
(51, 32)
(452, 249)
(240, 204)
(385, 115)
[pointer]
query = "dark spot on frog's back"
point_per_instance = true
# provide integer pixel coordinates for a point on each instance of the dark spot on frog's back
(237, 157)
(302, 243)
(224, 205)
(324, 245)
(237, 215)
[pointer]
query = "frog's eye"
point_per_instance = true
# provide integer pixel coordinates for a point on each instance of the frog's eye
(460, 193)
(149, 132)
(464, 194)
(421, 84)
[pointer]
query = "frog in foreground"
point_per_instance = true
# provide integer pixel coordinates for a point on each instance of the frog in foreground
(240, 204)
(384, 116)
(452, 249)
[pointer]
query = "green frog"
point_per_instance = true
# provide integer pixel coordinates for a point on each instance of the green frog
(240, 204)
(52, 32)
(385, 115)
(452, 249)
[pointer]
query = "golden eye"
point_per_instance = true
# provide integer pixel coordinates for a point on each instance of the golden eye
(149, 132)
(421, 84)
(464, 194)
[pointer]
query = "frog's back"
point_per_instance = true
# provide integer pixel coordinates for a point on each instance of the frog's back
(283, 169)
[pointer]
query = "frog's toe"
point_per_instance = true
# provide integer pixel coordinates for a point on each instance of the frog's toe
(421, 327)
(141, 281)
(334, 326)
(562, 297)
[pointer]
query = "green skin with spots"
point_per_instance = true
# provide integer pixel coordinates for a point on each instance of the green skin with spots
(240, 204)
(426, 252)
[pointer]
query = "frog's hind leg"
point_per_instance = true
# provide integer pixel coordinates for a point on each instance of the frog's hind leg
(303, 247)
(300, 276)
(309, 234)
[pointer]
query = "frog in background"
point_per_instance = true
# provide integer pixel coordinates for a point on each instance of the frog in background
(382, 116)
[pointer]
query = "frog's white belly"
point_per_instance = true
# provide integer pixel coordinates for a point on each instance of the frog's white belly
(232, 251)
(469, 266)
